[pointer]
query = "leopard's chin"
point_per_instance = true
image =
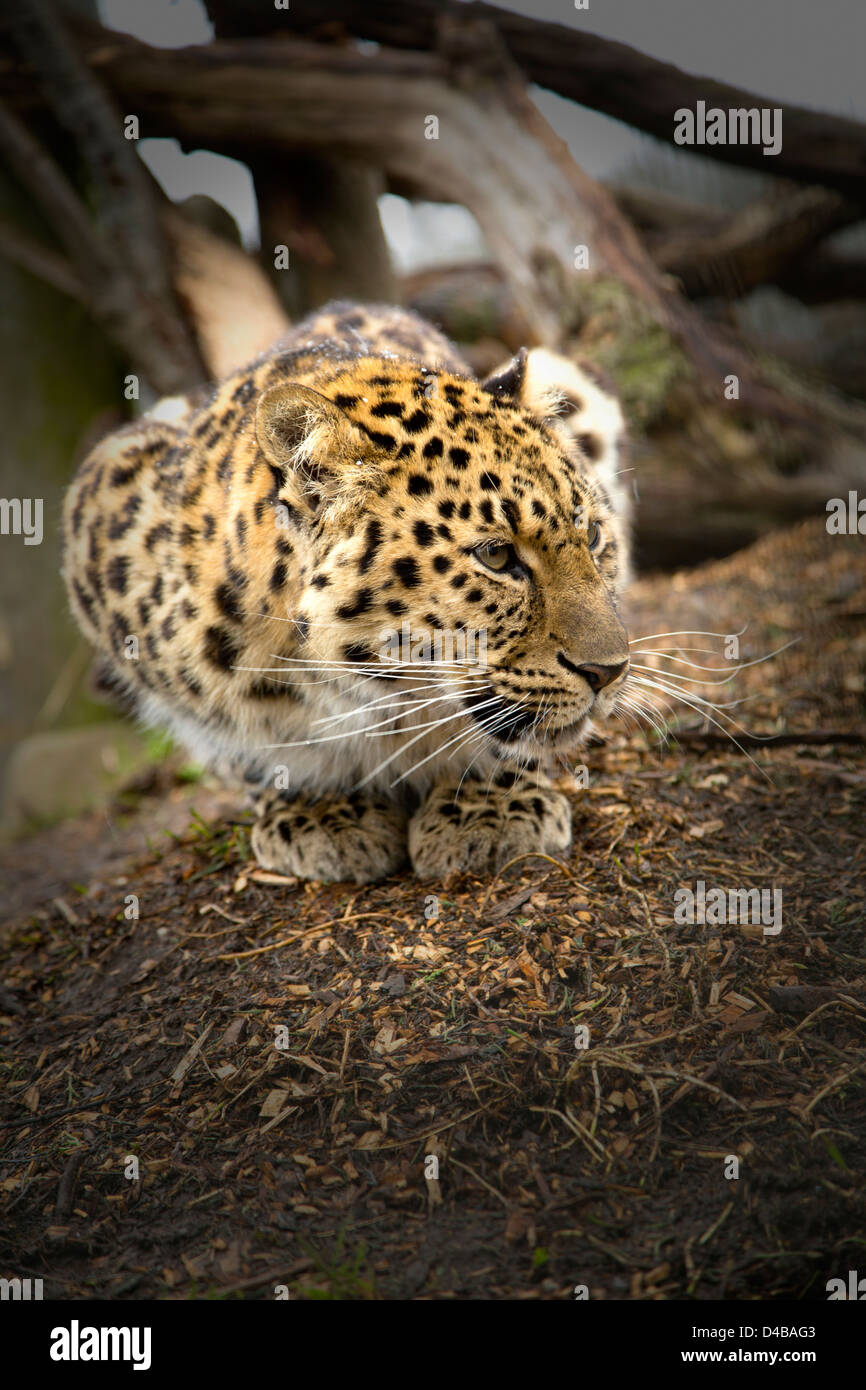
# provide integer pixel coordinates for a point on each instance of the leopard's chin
(570, 736)
(545, 744)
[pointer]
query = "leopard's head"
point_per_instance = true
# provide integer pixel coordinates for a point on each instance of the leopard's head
(460, 540)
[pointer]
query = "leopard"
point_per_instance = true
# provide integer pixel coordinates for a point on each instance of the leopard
(375, 591)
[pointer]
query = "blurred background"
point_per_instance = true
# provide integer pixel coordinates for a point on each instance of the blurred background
(181, 178)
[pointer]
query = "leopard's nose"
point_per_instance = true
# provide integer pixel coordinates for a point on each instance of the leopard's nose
(597, 677)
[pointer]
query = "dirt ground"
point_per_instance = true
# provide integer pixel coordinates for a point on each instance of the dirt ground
(287, 1064)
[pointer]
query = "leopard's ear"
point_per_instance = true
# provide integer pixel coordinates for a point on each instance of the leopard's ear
(537, 381)
(576, 400)
(508, 382)
(309, 439)
(530, 381)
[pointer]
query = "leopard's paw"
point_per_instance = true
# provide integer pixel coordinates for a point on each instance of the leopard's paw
(353, 839)
(480, 830)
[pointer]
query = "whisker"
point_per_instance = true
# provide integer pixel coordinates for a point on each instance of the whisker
(396, 754)
(395, 700)
(642, 708)
(467, 770)
(664, 651)
(685, 632)
(677, 678)
(430, 724)
(674, 688)
(698, 710)
(488, 726)
(654, 719)
(734, 670)
(368, 730)
(385, 668)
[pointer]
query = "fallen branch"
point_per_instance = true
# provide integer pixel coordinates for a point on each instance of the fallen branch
(497, 155)
(802, 999)
(711, 739)
(597, 72)
(119, 254)
(757, 244)
(68, 1184)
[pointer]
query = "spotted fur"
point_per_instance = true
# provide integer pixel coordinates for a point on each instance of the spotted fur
(239, 559)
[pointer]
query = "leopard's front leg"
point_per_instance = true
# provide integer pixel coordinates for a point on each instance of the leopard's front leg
(486, 824)
(357, 838)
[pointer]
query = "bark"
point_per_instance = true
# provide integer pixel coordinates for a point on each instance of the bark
(690, 510)
(597, 72)
(758, 244)
(827, 275)
(463, 128)
(657, 213)
(496, 154)
(325, 210)
(293, 96)
(118, 253)
(774, 240)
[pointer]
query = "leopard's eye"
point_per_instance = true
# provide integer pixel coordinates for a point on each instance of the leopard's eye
(496, 555)
(593, 535)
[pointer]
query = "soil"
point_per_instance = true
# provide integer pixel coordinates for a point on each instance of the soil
(251, 1085)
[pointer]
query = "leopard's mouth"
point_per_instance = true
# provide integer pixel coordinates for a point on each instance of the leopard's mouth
(500, 719)
(508, 723)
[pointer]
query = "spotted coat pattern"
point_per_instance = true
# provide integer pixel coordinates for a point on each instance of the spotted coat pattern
(241, 560)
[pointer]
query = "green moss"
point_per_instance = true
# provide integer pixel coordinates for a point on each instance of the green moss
(643, 359)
